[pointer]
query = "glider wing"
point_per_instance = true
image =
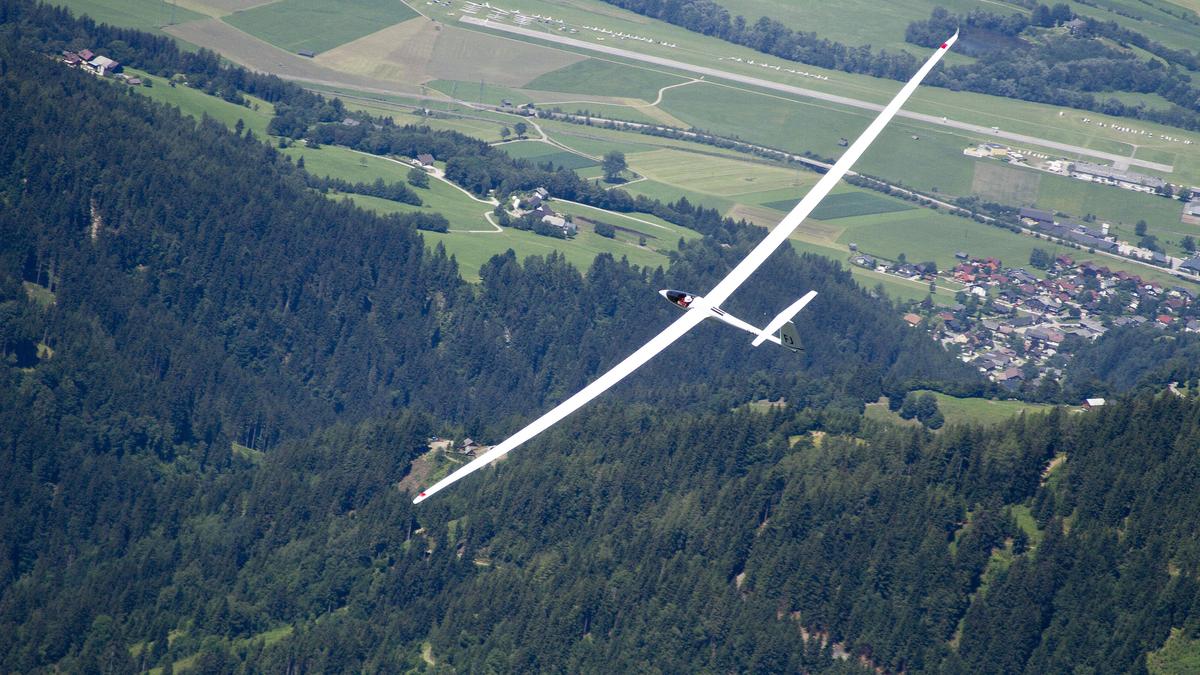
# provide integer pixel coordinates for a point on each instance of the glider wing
(723, 290)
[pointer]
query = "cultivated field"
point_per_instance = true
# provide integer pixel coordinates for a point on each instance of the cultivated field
(419, 50)
(460, 54)
(256, 54)
(318, 25)
(400, 52)
(1002, 184)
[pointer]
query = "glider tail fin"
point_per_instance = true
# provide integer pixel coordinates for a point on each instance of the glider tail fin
(783, 318)
(789, 337)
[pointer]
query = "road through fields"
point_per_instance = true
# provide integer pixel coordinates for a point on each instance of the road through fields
(1118, 160)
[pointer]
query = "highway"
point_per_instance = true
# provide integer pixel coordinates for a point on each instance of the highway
(1119, 160)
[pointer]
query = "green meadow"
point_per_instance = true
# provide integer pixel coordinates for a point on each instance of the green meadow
(318, 25)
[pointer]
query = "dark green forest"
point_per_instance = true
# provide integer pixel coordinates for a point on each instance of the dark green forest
(214, 382)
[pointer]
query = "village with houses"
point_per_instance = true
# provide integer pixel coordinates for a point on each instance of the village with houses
(1017, 327)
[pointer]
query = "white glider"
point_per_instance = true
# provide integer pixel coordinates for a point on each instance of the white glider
(701, 308)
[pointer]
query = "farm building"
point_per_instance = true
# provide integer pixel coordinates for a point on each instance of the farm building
(102, 65)
(1038, 216)
(561, 223)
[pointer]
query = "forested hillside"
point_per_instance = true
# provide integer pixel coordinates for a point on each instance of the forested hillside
(213, 379)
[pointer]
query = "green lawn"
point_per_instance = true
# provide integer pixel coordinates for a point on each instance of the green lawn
(472, 249)
(318, 25)
(147, 15)
(605, 78)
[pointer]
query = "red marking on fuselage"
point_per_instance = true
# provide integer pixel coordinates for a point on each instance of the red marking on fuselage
(422, 494)
(943, 45)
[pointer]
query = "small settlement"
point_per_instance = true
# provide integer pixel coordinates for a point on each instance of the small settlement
(532, 211)
(1017, 327)
(98, 65)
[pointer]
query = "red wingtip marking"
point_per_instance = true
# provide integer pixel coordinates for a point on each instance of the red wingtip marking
(943, 45)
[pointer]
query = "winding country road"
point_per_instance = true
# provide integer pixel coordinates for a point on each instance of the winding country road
(1120, 160)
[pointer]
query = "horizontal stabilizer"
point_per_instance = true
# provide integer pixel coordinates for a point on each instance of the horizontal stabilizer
(783, 317)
